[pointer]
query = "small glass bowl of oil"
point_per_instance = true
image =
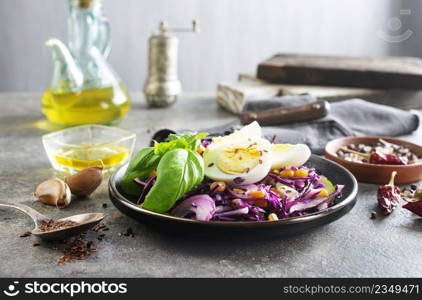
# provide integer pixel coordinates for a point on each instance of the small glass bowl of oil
(76, 148)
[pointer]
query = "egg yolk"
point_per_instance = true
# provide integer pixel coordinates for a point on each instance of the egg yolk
(239, 160)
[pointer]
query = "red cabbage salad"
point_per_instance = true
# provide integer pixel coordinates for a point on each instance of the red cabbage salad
(237, 177)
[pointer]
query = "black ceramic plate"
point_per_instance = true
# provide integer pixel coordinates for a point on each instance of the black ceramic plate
(336, 173)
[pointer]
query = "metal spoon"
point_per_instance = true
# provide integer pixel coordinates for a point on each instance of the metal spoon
(85, 222)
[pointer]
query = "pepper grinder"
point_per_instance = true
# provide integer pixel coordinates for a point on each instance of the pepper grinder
(163, 86)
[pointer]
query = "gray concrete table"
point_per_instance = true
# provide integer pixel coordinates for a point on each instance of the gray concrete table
(355, 245)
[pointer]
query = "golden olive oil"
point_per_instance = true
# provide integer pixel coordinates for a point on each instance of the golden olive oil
(89, 156)
(100, 106)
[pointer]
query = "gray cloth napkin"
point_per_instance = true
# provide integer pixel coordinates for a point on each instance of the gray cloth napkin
(346, 118)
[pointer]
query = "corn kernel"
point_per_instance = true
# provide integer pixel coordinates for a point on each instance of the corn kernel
(301, 173)
(238, 191)
(287, 173)
(323, 193)
(272, 217)
(237, 202)
(200, 150)
(218, 186)
(257, 194)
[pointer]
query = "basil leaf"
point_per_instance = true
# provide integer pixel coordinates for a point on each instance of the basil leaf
(178, 172)
(187, 141)
(140, 166)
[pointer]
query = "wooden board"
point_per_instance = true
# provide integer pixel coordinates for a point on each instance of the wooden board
(365, 72)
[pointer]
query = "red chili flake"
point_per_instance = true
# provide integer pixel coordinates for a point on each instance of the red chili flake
(388, 196)
(35, 244)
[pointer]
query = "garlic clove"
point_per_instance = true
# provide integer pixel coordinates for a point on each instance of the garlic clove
(54, 192)
(85, 182)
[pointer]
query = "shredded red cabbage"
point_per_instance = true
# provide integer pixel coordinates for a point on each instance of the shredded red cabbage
(236, 203)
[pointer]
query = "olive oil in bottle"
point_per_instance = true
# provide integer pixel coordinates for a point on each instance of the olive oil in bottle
(102, 106)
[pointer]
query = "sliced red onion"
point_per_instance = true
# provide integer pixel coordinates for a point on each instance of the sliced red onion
(301, 204)
(203, 207)
(310, 194)
(235, 212)
(222, 208)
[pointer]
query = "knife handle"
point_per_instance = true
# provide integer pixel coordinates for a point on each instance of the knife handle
(283, 115)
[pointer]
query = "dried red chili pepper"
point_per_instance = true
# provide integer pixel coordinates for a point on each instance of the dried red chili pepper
(386, 159)
(388, 196)
(415, 206)
(379, 158)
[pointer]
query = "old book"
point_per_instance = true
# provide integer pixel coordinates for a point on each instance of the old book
(366, 72)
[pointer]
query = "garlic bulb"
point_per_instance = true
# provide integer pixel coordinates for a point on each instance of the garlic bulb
(55, 192)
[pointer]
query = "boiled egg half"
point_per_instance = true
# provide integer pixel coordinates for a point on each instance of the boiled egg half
(244, 157)
(288, 155)
(241, 157)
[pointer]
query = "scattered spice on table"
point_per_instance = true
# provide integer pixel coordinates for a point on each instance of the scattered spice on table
(100, 226)
(51, 225)
(104, 205)
(35, 244)
(388, 196)
(129, 232)
(78, 249)
(25, 234)
(373, 215)
(383, 152)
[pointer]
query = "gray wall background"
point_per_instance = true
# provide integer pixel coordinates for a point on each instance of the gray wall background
(235, 35)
